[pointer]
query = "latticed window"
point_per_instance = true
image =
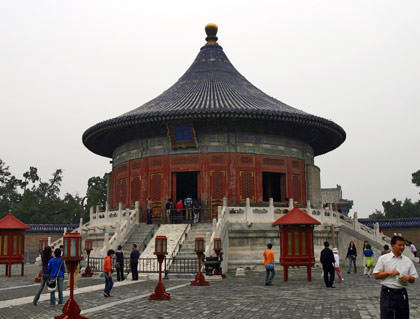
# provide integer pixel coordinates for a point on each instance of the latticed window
(247, 185)
(217, 190)
(156, 186)
(135, 189)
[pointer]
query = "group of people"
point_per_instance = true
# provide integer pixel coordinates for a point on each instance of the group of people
(183, 210)
(393, 269)
(119, 266)
(53, 268)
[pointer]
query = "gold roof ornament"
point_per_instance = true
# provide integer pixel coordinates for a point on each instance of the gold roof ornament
(211, 31)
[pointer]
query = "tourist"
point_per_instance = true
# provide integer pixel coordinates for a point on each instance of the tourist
(179, 207)
(413, 249)
(368, 253)
(61, 249)
(134, 261)
(119, 263)
(188, 208)
(108, 273)
(45, 257)
(57, 269)
(351, 256)
(196, 210)
(385, 250)
(269, 265)
(327, 260)
(168, 209)
(396, 271)
(337, 264)
(149, 210)
(365, 270)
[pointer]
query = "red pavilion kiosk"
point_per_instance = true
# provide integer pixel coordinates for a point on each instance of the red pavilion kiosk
(12, 242)
(297, 240)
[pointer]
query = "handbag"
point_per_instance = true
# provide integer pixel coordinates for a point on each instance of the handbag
(117, 265)
(52, 284)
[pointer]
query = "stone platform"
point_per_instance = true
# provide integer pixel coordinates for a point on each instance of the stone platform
(234, 297)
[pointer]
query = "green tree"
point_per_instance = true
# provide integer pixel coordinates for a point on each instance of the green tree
(416, 178)
(377, 215)
(96, 192)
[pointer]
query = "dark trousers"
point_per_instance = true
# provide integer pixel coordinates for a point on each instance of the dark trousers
(134, 271)
(120, 272)
(108, 283)
(328, 274)
(394, 304)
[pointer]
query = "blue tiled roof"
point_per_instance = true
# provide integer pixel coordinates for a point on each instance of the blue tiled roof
(213, 88)
(390, 223)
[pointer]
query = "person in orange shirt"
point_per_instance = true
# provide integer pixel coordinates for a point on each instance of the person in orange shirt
(269, 265)
(108, 273)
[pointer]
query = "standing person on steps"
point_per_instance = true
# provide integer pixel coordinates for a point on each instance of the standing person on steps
(351, 256)
(396, 271)
(269, 265)
(327, 260)
(134, 261)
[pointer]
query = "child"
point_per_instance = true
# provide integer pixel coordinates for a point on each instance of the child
(337, 264)
(368, 253)
(108, 273)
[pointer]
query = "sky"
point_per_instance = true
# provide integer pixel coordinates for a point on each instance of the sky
(67, 65)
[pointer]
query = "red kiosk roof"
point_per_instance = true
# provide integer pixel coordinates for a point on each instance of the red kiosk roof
(11, 222)
(296, 217)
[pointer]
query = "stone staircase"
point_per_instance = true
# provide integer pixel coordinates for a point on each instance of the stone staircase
(197, 230)
(140, 235)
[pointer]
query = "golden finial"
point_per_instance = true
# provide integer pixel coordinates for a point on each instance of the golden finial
(211, 30)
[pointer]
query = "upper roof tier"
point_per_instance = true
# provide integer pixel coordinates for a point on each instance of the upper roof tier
(213, 88)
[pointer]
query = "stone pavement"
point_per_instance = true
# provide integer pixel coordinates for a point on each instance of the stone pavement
(234, 297)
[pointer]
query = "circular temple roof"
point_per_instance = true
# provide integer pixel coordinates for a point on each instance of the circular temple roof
(213, 89)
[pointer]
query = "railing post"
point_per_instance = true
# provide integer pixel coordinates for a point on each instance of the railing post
(291, 205)
(91, 212)
(137, 210)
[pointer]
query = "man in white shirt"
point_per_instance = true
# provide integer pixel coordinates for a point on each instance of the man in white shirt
(396, 271)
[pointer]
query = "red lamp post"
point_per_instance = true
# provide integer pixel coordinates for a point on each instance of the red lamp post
(160, 251)
(72, 254)
(219, 254)
(88, 248)
(43, 242)
(199, 250)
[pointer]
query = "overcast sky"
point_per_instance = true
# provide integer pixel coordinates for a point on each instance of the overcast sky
(67, 65)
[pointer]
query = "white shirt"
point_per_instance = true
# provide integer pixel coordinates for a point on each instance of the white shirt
(390, 262)
(337, 260)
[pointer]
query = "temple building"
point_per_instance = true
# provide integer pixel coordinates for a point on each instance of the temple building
(213, 135)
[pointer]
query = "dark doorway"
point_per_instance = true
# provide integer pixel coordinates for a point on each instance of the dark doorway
(274, 186)
(186, 184)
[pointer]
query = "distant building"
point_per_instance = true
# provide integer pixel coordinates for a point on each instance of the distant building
(334, 197)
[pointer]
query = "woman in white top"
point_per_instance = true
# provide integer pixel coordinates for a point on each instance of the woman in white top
(337, 264)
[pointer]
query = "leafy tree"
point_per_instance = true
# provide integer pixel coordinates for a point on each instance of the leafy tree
(377, 215)
(96, 192)
(416, 178)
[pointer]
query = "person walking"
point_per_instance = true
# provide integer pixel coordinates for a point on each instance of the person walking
(108, 273)
(337, 264)
(196, 210)
(179, 207)
(327, 260)
(168, 209)
(269, 265)
(119, 263)
(395, 272)
(149, 208)
(351, 256)
(57, 268)
(365, 269)
(368, 253)
(45, 257)
(188, 208)
(134, 261)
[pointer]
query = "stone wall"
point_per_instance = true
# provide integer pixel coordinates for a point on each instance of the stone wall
(313, 181)
(32, 244)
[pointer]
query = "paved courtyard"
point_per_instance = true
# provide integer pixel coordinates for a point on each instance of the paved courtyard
(234, 297)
